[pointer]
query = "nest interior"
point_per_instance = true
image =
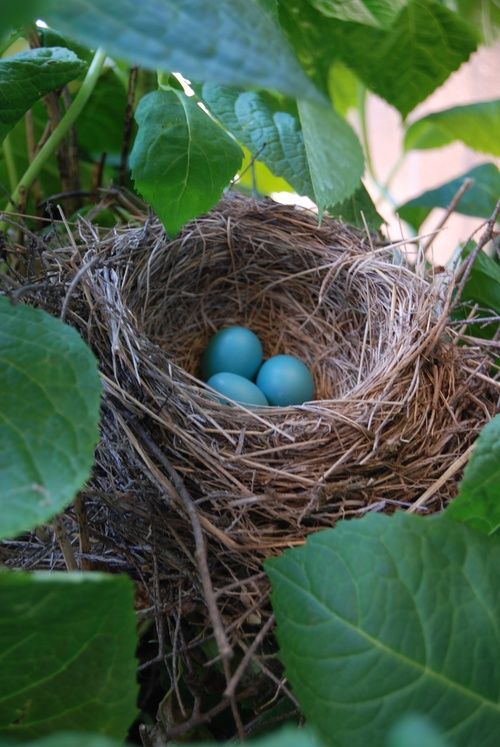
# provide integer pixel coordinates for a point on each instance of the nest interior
(397, 399)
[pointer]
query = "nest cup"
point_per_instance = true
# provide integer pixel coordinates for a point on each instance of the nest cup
(397, 400)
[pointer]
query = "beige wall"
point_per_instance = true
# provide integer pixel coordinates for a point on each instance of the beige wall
(476, 80)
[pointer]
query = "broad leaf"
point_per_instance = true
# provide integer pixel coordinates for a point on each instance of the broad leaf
(356, 206)
(403, 63)
(235, 42)
(382, 616)
(478, 500)
(483, 284)
(66, 739)
(254, 176)
(343, 87)
(49, 414)
(479, 200)
(476, 125)
(333, 153)
(274, 137)
(100, 125)
(30, 75)
(483, 14)
(181, 160)
(371, 12)
(69, 663)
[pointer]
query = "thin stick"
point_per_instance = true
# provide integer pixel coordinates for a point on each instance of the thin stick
(452, 469)
(65, 545)
(85, 546)
(465, 268)
(467, 183)
(233, 682)
(127, 127)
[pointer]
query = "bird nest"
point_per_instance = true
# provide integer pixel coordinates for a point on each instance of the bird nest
(194, 493)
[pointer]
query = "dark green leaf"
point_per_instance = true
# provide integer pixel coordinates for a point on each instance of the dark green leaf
(100, 125)
(370, 12)
(49, 414)
(234, 42)
(181, 160)
(479, 200)
(382, 616)
(274, 137)
(333, 153)
(403, 64)
(66, 739)
(478, 500)
(69, 662)
(482, 14)
(286, 737)
(483, 284)
(476, 125)
(30, 75)
(353, 208)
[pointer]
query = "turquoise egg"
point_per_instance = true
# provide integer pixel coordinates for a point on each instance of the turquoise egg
(285, 380)
(235, 350)
(238, 388)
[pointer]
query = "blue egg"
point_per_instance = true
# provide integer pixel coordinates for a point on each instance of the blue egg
(238, 388)
(234, 350)
(285, 380)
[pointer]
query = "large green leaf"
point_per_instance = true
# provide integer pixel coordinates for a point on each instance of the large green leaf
(30, 75)
(274, 137)
(476, 125)
(483, 14)
(235, 42)
(403, 63)
(66, 739)
(479, 200)
(354, 208)
(483, 284)
(100, 125)
(49, 414)
(387, 615)
(181, 160)
(67, 645)
(416, 731)
(478, 500)
(333, 152)
(371, 12)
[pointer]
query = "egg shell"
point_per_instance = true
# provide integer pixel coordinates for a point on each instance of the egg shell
(285, 380)
(238, 388)
(235, 350)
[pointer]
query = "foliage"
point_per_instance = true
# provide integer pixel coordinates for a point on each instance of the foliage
(388, 627)
(49, 411)
(74, 664)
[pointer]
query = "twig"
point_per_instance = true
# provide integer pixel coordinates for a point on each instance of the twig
(127, 127)
(78, 276)
(233, 682)
(225, 649)
(467, 183)
(465, 268)
(457, 464)
(65, 545)
(85, 546)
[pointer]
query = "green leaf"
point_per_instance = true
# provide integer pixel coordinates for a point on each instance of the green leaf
(370, 12)
(30, 75)
(254, 175)
(483, 284)
(66, 739)
(286, 737)
(69, 663)
(382, 616)
(476, 125)
(403, 63)
(482, 14)
(100, 126)
(343, 88)
(181, 160)
(479, 200)
(354, 207)
(49, 414)
(234, 42)
(478, 500)
(333, 152)
(274, 137)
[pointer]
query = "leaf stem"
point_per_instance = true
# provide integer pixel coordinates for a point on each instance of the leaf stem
(10, 163)
(61, 130)
(362, 99)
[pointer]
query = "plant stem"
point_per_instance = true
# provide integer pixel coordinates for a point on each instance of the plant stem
(362, 99)
(10, 162)
(60, 131)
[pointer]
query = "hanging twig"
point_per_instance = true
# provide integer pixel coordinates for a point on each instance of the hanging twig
(127, 127)
(449, 210)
